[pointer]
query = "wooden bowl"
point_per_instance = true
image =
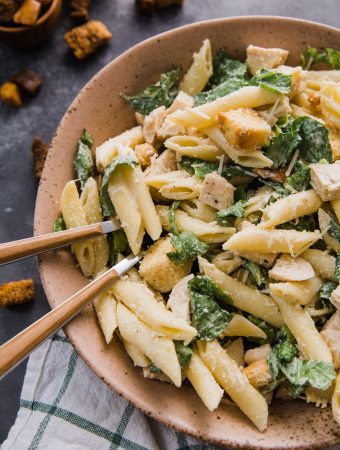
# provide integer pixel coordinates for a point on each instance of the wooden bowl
(28, 36)
(98, 107)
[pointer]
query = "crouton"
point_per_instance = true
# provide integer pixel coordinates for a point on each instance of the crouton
(325, 179)
(259, 57)
(257, 354)
(244, 128)
(217, 192)
(28, 12)
(85, 39)
(39, 152)
(28, 81)
(144, 153)
(157, 269)
(166, 3)
(258, 373)
(9, 94)
(16, 292)
(7, 10)
(80, 10)
(147, 6)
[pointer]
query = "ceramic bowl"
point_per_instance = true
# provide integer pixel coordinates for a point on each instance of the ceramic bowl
(28, 36)
(98, 107)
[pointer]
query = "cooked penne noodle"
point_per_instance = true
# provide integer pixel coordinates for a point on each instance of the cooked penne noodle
(176, 185)
(322, 262)
(336, 400)
(195, 208)
(203, 382)
(194, 146)
(240, 326)
(303, 328)
(298, 292)
(106, 309)
(139, 299)
(324, 223)
(138, 358)
(235, 383)
(159, 349)
(207, 232)
(290, 208)
(206, 115)
(243, 297)
(200, 70)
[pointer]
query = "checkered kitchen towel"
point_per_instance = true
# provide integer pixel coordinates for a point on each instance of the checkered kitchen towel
(64, 406)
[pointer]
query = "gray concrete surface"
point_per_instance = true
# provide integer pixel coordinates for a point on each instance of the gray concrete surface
(63, 78)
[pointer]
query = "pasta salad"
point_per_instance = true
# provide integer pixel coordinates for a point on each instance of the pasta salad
(230, 183)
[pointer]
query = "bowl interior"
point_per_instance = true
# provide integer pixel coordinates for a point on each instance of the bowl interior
(292, 424)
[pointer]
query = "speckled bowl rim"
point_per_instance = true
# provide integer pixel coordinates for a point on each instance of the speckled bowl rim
(97, 370)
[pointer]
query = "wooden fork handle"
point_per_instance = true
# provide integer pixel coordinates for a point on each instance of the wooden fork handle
(12, 251)
(15, 350)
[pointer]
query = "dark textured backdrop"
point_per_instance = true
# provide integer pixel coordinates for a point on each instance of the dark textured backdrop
(63, 78)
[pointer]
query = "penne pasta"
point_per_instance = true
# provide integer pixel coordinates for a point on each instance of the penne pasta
(298, 292)
(194, 146)
(159, 349)
(322, 262)
(235, 383)
(177, 185)
(240, 326)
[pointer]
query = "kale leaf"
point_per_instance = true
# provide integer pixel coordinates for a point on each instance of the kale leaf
(206, 316)
(228, 76)
(326, 289)
(268, 329)
(300, 180)
(118, 243)
(299, 373)
(305, 134)
(120, 160)
(59, 225)
(304, 223)
(258, 274)
(188, 246)
(83, 162)
(272, 80)
(204, 285)
(184, 353)
(313, 56)
(197, 167)
(337, 268)
(155, 95)
(226, 217)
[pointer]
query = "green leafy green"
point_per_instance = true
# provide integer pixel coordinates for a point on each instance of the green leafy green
(337, 268)
(304, 223)
(299, 373)
(83, 162)
(236, 210)
(154, 369)
(206, 316)
(225, 68)
(240, 194)
(197, 167)
(225, 88)
(258, 274)
(334, 229)
(159, 94)
(121, 160)
(59, 225)
(276, 186)
(272, 80)
(313, 56)
(305, 134)
(228, 76)
(205, 286)
(326, 289)
(300, 180)
(188, 247)
(118, 243)
(184, 353)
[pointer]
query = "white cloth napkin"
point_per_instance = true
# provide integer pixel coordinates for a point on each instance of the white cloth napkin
(64, 406)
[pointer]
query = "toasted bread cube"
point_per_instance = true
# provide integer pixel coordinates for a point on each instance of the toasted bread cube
(325, 179)
(144, 153)
(258, 373)
(28, 12)
(157, 269)
(85, 39)
(9, 94)
(80, 10)
(217, 192)
(27, 80)
(7, 9)
(16, 292)
(244, 128)
(259, 58)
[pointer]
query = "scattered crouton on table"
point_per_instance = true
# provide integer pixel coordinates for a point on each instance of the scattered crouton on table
(28, 81)
(86, 38)
(16, 292)
(80, 10)
(9, 94)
